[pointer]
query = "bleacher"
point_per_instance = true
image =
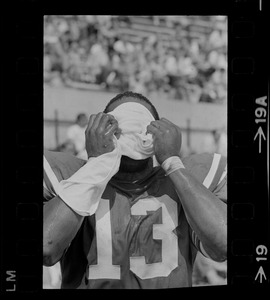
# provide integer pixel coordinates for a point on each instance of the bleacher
(139, 27)
(186, 36)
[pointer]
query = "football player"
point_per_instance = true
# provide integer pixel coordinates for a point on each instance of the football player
(151, 219)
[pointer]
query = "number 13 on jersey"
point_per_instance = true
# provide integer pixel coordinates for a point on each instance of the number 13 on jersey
(163, 232)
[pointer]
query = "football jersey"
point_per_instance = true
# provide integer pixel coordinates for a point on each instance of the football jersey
(139, 236)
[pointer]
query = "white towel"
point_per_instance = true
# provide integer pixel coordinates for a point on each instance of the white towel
(83, 190)
(133, 119)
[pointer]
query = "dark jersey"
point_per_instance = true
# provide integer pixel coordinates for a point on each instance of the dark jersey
(139, 236)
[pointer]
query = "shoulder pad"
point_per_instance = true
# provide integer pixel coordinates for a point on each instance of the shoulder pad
(58, 166)
(206, 167)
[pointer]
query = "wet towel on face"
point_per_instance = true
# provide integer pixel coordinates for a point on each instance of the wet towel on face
(133, 119)
(83, 190)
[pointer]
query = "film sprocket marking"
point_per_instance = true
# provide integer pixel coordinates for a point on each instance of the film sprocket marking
(248, 199)
(248, 158)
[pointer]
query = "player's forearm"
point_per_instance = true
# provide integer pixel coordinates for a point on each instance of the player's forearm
(206, 214)
(60, 226)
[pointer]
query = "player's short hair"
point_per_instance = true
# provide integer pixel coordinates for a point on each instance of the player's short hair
(136, 96)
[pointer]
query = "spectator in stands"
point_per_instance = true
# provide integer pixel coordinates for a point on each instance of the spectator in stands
(91, 49)
(76, 134)
(98, 60)
(54, 62)
(123, 46)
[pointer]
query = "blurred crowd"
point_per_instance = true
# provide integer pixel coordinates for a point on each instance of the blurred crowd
(92, 50)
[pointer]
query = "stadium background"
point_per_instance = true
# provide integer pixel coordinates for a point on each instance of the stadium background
(178, 62)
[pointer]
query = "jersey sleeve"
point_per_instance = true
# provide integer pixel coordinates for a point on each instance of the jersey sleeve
(57, 166)
(220, 189)
(211, 171)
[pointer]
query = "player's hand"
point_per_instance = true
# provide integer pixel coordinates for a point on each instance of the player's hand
(167, 139)
(99, 134)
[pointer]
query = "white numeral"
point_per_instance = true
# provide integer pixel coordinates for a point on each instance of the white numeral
(104, 267)
(162, 232)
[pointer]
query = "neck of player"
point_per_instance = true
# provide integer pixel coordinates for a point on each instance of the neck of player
(131, 169)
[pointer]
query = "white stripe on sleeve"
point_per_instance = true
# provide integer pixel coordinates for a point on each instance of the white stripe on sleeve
(211, 174)
(203, 250)
(223, 175)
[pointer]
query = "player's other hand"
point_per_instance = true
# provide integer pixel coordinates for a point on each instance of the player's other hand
(167, 139)
(99, 134)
